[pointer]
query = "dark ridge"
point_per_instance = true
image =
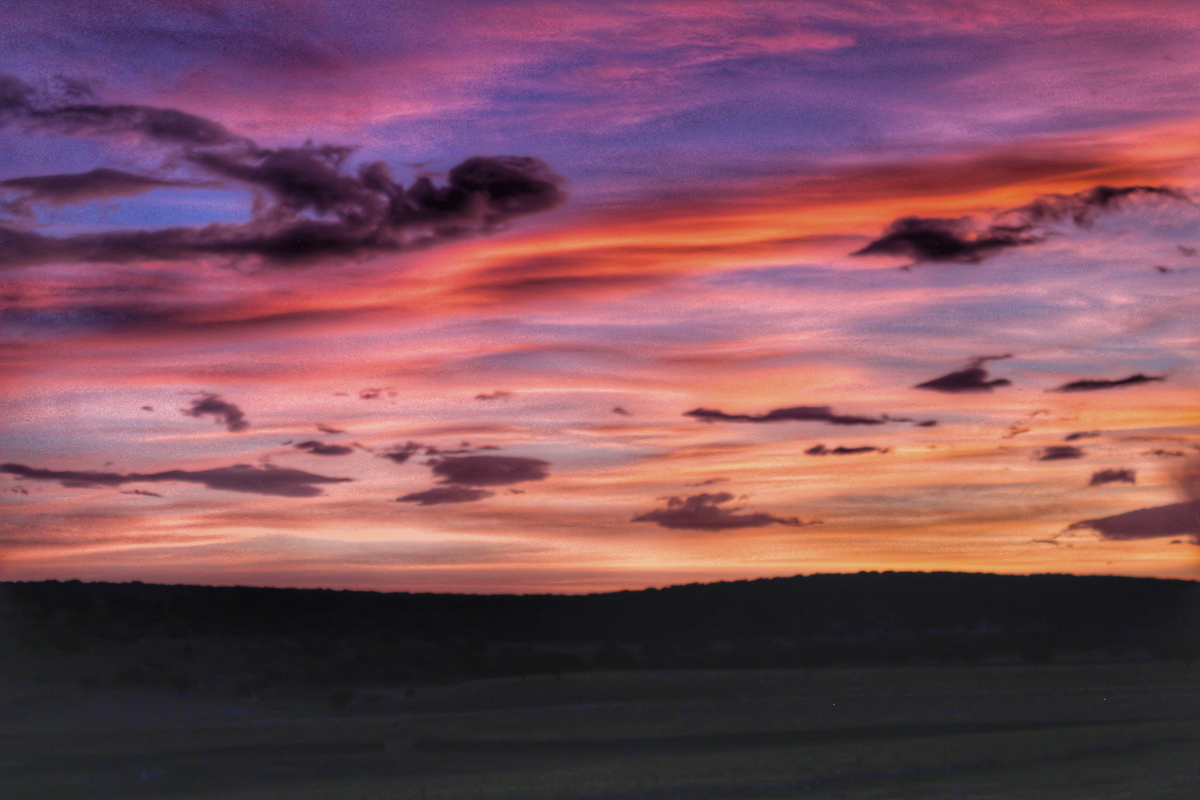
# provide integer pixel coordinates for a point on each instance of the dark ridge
(844, 616)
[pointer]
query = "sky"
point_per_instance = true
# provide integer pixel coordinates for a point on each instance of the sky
(574, 297)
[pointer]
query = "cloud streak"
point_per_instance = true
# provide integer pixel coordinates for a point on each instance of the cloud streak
(822, 450)
(1059, 452)
(490, 470)
(793, 414)
(211, 405)
(440, 495)
(709, 512)
(972, 379)
(265, 480)
(1113, 476)
(311, 210)
(1177, 519)
(962, 241)
(313, 447)
(1097, 385)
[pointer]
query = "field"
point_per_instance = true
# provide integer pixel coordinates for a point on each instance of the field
(1062, 730)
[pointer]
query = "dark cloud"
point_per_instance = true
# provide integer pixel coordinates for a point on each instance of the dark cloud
(310, 210)
(499, 394)
(142, 492)
(929, 423)
(620, 411)
(489, 470)
(709, 482)
(1094, 385)
(212, 405)
(708, 512)
(1059, 452)
(963, 241)
(972, 379)
(1077, 435)
(20, 104)
(147, 408)
(446, 494)
(321, 449)
(1113, 476)
(935, 239)
(329, 430)
(1187, 251)
(96, 184)
(268, 479)
(1149, 523)
(794, 414)
(402, 453)
(822, 450)
(1165, 453)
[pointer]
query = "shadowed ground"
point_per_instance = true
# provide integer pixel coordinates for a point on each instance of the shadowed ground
(978, 731)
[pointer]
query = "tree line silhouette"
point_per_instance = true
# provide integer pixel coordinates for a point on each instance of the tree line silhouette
(183, 635)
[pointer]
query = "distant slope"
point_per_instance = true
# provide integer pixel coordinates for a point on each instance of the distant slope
(1081, 609)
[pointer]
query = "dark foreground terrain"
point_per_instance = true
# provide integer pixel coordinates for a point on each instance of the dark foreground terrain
(984, 731)
(856, 686)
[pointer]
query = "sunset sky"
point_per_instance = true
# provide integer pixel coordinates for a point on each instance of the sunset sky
(567, 297)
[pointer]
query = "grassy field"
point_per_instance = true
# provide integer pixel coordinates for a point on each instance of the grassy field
(1115, 730)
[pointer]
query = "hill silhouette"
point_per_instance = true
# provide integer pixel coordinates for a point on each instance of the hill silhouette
(182, 636)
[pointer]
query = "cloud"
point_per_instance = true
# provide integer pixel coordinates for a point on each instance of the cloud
(1149, 523)
(1161, 453)
(934, 239)
(620, 411)
(1059, 452)
(822, 450)
(267, 480)
(499, 394)
(708, 512)
(1095, 385)
(329, 430)
(402, 453)
(96, 184)
(321, 449)
(971, 379)
(309, 210)
(794, 414)
(1113, 476)
(490, 470)
(212, 405)
(963, 241)
(142, 492)
(1077, 435)
(445, 494)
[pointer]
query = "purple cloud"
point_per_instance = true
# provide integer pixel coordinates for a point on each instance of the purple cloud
(1096, 385)
(795, 414)
(312, 210)
(1059, 452)
(822, 450)
(321, 449)
(268, 479)
(490, 470)
(708, 512)
(961, 241)
(1113, 476)
(971, 379)
(1177, 519)
(439, 495)
(212, 405)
